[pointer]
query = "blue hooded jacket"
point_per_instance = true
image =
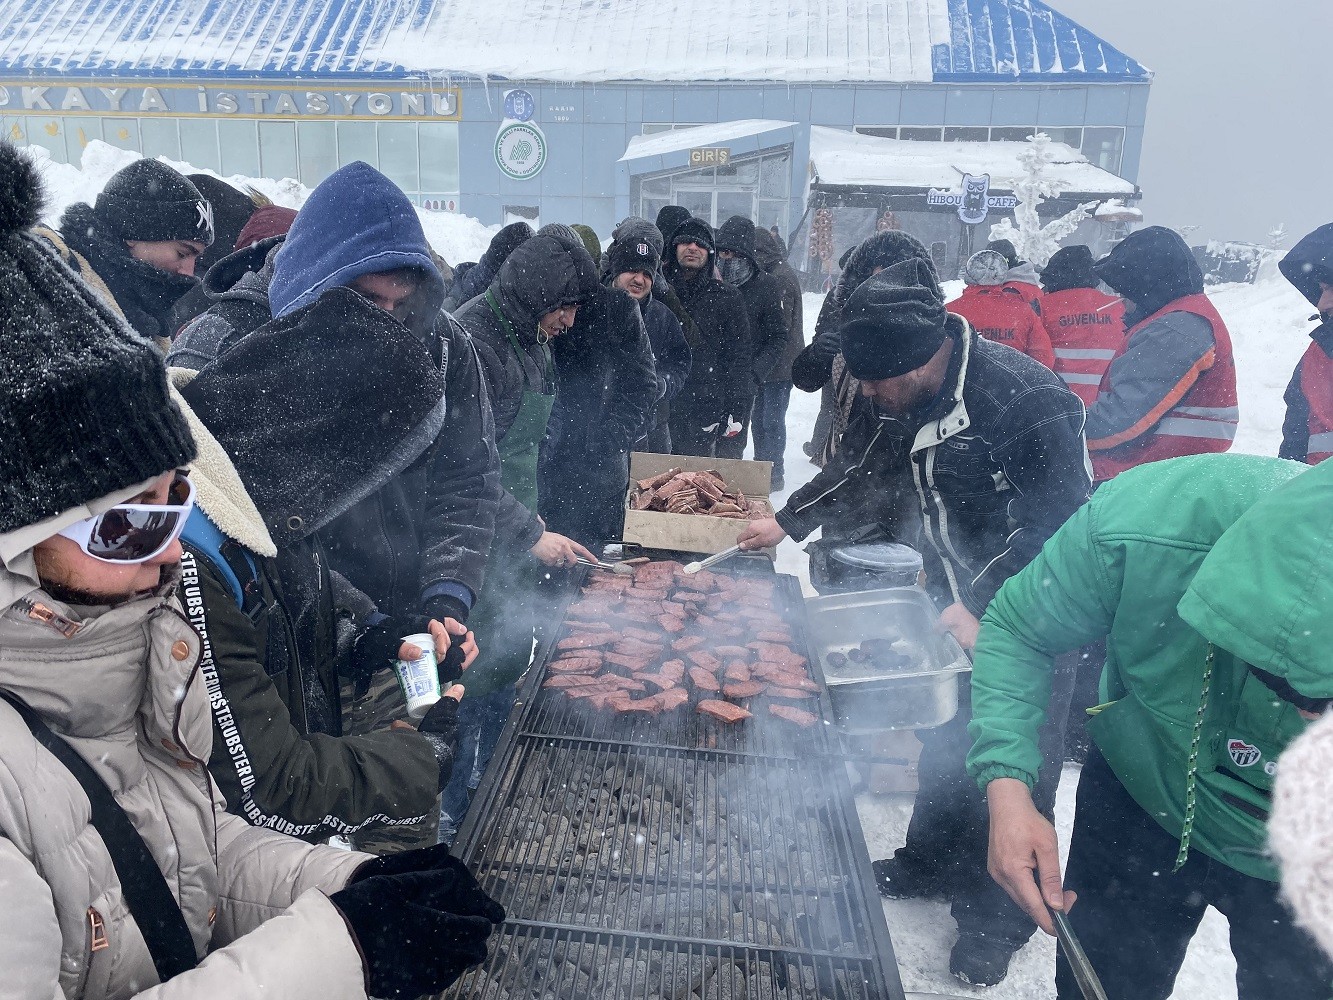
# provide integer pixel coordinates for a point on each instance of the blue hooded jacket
(355, 222)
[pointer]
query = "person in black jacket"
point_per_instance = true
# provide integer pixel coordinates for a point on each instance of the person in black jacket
(419, 544)
(476, 278)
(819, 366)
(607, 393)
(985, 446)
(632, 266)
(1307, 430)
(763, 305)
(534, 300)
(138, 243)
(770, 405)
(720, 390)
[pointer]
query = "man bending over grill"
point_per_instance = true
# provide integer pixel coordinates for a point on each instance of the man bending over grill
(988, 445)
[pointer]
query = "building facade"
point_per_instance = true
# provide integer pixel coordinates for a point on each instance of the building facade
(490, 110)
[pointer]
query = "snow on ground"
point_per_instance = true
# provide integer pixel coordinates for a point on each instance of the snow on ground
(1269, 322)
(454, 237)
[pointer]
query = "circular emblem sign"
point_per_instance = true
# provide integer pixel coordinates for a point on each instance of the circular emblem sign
(520, 151)
(520, 105)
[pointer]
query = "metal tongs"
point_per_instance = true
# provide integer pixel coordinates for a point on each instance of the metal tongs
(695, 567)
(1084, 975)
(625, 568)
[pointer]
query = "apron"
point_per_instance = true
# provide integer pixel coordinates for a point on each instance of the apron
(503, 618)
(520, 446)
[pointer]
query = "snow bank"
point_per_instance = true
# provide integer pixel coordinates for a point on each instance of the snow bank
(454, 237)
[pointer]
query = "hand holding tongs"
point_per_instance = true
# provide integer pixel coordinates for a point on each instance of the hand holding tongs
(695, 567)
(624, 568)
(1078, 960)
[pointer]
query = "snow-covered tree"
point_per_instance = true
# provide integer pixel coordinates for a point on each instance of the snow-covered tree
(1032, 240)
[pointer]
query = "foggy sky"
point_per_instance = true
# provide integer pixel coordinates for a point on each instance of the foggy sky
(1240, 116)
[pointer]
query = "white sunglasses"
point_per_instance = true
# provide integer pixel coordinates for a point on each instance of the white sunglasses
(131, 533)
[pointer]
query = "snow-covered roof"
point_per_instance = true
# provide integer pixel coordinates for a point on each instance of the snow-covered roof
(642, 146)
(848, 159)
(797, 41)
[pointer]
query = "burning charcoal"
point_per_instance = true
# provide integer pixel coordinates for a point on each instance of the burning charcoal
(762, 984)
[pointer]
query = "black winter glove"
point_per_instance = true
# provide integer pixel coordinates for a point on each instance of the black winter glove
(464, 894)
(440, 607)
(376, 648)
(827, 343)
(413, 940)
(440, 726)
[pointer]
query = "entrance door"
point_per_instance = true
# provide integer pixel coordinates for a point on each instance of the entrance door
(716, 205)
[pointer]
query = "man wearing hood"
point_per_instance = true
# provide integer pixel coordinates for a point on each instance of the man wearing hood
(1170, 390)
(123, 873)
(985, 447)
(998, 311)
(720, 390)
(739, 268)
(282, 629)
(138, 243)
(1085, 325)
(770, 406)
(820, 365)
(1307, 431)
(1208, 578)
(419, 544)
(632, 263)
(1020, 275)
(534, 299)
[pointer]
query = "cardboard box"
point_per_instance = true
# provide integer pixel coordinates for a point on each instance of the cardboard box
(692, 532)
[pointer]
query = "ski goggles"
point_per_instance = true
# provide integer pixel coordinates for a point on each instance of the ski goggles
(135, 532)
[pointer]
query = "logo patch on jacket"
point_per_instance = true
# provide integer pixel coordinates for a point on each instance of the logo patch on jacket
(1243, 754)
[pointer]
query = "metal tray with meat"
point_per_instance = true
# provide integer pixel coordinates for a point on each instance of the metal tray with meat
(663, 657)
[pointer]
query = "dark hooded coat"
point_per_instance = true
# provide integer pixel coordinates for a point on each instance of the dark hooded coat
(470, 283)
(773, 259)
(430, 528)
(763, 301)
(721, 381)
(547, 271)
(605, 402)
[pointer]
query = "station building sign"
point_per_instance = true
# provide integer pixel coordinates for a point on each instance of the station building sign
(710, 156)
(403, 102)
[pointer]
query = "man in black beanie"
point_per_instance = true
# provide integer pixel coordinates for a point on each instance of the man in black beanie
(768, 324)
(137, 244)
(988, 446)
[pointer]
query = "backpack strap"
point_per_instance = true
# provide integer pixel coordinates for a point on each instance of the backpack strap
(230, 559)
(142, 884)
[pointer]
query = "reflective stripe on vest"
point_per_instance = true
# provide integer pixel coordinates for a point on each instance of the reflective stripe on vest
(1083, 354)
(1320, 445)
(1192, 427)
(1078, 378)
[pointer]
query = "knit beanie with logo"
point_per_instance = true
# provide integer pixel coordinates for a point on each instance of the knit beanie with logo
(84, 405)
(149, 201)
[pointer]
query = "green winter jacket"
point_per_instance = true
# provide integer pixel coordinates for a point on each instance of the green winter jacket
(1246, 560)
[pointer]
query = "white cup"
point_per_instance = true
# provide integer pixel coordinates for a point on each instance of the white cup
(419, 678)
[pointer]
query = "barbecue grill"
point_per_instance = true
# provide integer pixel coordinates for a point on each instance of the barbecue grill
(672, 857)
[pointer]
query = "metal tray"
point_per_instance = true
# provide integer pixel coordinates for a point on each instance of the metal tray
(868, 699)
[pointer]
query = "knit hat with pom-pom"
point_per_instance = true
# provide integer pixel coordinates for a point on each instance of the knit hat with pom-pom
(84, 409)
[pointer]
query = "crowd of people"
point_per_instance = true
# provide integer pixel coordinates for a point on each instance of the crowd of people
(248, 449)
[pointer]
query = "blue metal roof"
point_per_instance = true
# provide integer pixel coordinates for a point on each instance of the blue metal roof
(1025, 40)
(557, 40)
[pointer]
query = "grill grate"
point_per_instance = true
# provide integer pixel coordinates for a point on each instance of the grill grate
(670, 857)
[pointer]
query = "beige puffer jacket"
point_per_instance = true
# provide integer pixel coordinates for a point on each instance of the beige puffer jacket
(122, 686)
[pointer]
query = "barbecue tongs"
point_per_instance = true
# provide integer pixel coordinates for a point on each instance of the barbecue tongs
(1084, 975)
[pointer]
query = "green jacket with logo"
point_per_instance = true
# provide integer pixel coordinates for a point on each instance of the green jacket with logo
(1228, 552)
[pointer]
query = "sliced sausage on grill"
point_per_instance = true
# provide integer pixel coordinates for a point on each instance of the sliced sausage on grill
(797, 715)
(704, 680)
(723, 711)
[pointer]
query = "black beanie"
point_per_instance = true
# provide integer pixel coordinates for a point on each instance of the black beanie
(84, 407)
(149, 201)
(1069, 267)
(631, 255)
(669, 220)
(893, 323)
(1006, 250)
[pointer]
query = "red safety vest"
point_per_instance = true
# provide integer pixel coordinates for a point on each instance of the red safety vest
(1086, 328)
(1002, 314)
(1201, 421)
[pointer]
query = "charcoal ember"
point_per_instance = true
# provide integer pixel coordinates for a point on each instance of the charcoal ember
(589, 957)
(762, 984)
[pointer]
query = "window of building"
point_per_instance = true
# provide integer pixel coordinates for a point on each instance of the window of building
(277, 150)
(437, 143)
(966, 133)
(878, 131)
(918, 134)
(398, 153)
(1012, 133)
(653, 128)
(356, 141)
(239, 145)
(1071, 137)
(757, 187)
(316, 150)
(49, 134)
(199, 136)
(1104, 146)
(160, 137)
